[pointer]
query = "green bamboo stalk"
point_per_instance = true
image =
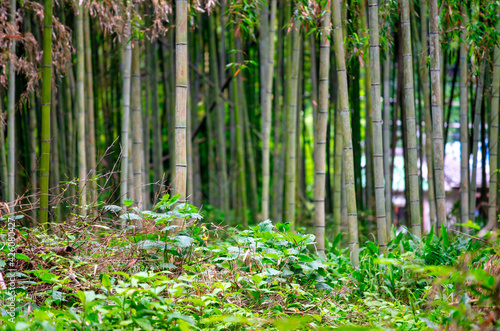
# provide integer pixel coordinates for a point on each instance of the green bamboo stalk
(427, 111)
(475, 140)
(268, 49)
(437, 112)
(409, 108)
(181, 89)
(33, 160)
(220, 123)
(169, 105)
(493, 141)
(146, 122)
(127, 65)
(69, 118)
(277, 182)
(250, 159)
(3, 156)
(346, 133)
(337, 182)
(32, 140)
(80, 106)
(55, 177)
(387, 143)
(378, 151)
(321, 128)
(240, 151)
(300, 169)
(90, 109)
(135, 106)
(291, 123)
(196, 55)
(369, 168)
(46, 103)
(252, 172)
(157, 150)
(11, 124)
(464, 126)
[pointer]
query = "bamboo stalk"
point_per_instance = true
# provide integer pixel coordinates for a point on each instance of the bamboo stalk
(291, 123)
(346, 131)
(337, 183)
(475, 141)
(125, 120)
(195, 91)
(427, 112)
(181, 89)
(411, 132)
(464, 127)
(437, 112)
(220, 123)
(135, 106)
(493, 140)
(46, 106)
(3, 156)
(387, 143)
(81, 111)
(321, 128)
(90, 109)
(240, 150)
(378, 151)
(267, 94)
(11, 124)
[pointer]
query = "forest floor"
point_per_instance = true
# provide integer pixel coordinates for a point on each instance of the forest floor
(85, 276)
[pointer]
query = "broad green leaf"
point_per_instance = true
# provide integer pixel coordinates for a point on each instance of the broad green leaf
(106, 281)
(444, 236)
(144, 323)
(128, 202)
(22, 257)
(183, 241)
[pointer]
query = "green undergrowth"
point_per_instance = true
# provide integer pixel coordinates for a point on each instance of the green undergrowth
(266, 277)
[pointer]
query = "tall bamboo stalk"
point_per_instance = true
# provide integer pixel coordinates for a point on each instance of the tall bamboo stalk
(196, 55)
(54, 155)
(337, 179)
(80, 106)
(437, 112)
(11, 125)
(475, 140)
(240, 150)
(427, 111)
(321, 126)
(267, 94)
(387, 143)
(90, 109)
(3, 156)
(220, 122)
(369, 168)
(378, 151)
(409, 108)
(464, 125)
(493, 141)
(33, 144)
(291, 124)
(46, 106)
(263, 64)
(127, 65)
(181, 89)
(346, 131)
(135, 106)
(278, 134)
(157, 149)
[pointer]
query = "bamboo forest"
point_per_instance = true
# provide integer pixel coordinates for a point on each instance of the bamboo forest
(249, 165)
